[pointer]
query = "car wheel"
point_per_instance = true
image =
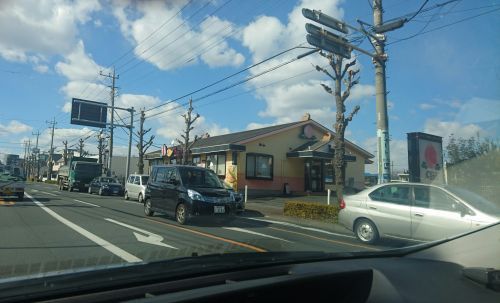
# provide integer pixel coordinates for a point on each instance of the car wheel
(20, 197)
(147, 208)
(90, 190)
(126, 196)
(140, 198)
(366, 231)
(100, 192)
(181, 214)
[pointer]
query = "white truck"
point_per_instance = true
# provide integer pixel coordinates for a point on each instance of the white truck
(11, 186)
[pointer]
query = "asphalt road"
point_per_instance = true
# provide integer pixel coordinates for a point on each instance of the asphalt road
(54, 230)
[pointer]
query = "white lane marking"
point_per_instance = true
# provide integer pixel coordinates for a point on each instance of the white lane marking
(86, 203)
(34, 190)
(132, 202)
(149, 238)
(49, 193)
(255, 233)
(303, 227)
(92, 237)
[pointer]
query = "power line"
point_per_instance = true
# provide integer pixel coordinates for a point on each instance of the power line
(444, 26)
(418, 12)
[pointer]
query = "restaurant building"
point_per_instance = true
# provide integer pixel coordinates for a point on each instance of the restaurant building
(293, 157)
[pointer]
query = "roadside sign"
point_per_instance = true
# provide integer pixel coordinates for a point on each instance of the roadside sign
(163, 150)
(326, 20)
(318, 31)
(329, 45)
(88, 113)
(349, 158)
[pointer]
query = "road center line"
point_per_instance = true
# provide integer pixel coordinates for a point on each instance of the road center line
(92, 237)
(303, 227)
(255, 233)
(255, 248)
(86, 203)
(49, 193)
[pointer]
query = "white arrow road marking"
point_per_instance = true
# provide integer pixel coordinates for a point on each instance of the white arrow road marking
(254, 233)
(86, 203)
(303, 227)
(99, 241)
(150, 238)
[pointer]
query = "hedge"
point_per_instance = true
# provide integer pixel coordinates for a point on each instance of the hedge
(310, 210)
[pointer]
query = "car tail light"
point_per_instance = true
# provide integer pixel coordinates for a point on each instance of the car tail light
(342, 204)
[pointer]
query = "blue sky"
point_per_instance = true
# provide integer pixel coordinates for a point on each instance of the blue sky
(442, 82)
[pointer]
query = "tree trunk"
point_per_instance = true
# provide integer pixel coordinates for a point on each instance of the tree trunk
(339, 148)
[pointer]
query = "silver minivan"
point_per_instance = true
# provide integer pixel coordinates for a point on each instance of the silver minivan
(135, 187)
(415, 211)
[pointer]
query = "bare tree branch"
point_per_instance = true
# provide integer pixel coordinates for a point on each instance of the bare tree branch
(347, 66)
(327, 88)
(351, 115)
(320, 69)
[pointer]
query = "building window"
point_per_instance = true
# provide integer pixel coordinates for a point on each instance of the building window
(196, 160)
(259, 166)
(217, 163)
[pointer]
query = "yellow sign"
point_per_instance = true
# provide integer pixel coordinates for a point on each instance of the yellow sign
(169, 152)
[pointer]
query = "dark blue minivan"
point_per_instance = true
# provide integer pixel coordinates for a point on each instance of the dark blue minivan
(186, 192)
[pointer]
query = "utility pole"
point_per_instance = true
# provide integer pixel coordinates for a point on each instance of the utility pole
(26, 161)
(36, 151)
(189, 120)
(131, 130)
(51, 152)
(80, 146)
(141, 146)
(384, 172)
(113, 78)
(65, 152)
(101, 147)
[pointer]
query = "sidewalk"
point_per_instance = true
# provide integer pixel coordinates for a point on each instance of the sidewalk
(271, 208)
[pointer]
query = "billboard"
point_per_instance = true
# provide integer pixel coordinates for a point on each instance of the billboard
(88, 113)
(425, 158)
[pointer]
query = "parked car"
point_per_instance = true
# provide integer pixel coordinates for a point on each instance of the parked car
(238, 198)
(186, 192)
(135, 187)
(106, 186)
(415, 211)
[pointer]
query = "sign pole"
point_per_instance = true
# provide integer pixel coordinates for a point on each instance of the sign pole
(131, 129)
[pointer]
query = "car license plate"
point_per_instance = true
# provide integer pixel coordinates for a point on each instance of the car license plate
(219, 209)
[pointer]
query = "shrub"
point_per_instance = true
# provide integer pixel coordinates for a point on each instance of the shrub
(309, 210)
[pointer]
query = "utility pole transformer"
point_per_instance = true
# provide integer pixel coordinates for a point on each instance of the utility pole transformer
(51, 152)
(384, 161)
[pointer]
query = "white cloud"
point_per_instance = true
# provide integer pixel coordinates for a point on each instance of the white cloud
(398, 153)
(447, 128)
(32, 29)
(14, 127)
(163, 49)
(77, 65)
(42, 69)
(478, 110)
(426, 106)
(287, 99)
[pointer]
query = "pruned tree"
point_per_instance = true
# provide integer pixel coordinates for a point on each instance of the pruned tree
(142, 146)
(341, 121)
(185, 143)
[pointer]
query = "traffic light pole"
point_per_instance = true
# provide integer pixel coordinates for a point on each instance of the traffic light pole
(384, 171)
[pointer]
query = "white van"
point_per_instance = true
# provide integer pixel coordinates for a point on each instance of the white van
(135, 187)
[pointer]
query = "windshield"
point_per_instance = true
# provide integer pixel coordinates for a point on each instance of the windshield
(199, 178)
(109, 180)
(87, 168)
(237, 126)
(476, 201)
